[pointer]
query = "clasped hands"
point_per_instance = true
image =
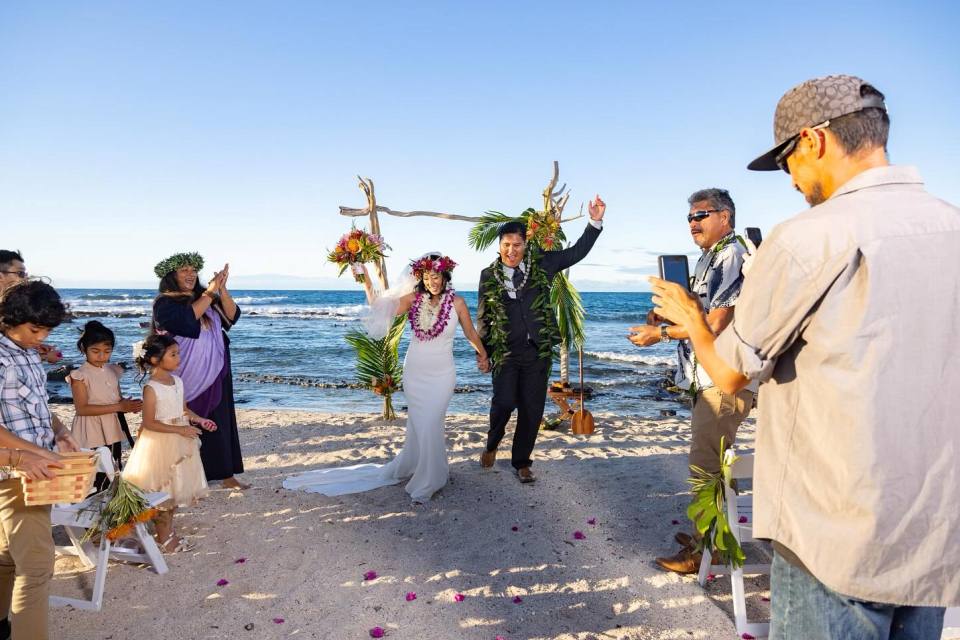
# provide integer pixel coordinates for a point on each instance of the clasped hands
(483, 363)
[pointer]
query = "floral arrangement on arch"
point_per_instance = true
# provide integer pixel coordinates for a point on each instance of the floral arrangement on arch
(355, 248)
(543, 229)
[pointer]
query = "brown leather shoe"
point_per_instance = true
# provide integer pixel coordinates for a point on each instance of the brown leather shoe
(487, 458)
(525, 475)
(686, 540)
(685, 561)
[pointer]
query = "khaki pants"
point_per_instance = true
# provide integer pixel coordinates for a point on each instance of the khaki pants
(716, 414)
(26, 563)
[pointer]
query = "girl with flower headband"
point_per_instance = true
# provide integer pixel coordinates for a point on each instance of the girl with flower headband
(433, 308)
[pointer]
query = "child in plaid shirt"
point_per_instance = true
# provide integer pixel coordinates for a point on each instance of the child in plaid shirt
(28, 312)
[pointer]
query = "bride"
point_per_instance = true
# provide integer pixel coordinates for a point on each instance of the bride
(427, 298)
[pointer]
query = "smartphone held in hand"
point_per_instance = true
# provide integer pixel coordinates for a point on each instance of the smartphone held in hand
(675, 269)
(754, 235)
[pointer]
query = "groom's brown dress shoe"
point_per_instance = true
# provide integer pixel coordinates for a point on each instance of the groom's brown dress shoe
(487, 458)
(525, 475)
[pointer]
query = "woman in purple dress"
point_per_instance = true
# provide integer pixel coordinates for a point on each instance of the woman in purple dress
(199, 318)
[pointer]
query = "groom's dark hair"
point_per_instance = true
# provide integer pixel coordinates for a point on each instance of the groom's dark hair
(514, 226)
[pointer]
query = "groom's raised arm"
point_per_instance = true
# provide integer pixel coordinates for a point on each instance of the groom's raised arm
(557, 261)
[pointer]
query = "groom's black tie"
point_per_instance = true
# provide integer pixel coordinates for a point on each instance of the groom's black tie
(517, 280)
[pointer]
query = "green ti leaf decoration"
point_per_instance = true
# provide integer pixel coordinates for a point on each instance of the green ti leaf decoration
(378, 362)
(708, 512)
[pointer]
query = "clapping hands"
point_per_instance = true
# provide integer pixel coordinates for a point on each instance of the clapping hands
(218, 283)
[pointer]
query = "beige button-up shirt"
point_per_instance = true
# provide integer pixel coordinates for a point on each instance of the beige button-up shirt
(850, 317)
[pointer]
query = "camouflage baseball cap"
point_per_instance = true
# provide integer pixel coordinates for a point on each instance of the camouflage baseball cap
(810, 104)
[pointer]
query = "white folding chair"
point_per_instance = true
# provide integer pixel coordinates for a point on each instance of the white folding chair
(76, 520)
(951, 624)
(739, 506)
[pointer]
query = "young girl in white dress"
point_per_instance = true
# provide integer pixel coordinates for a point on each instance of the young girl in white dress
(434, 309)
(166, 456)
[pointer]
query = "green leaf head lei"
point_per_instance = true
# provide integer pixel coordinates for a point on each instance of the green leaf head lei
(178, 260)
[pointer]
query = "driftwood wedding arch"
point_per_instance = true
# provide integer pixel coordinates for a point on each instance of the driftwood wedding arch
(554, 202)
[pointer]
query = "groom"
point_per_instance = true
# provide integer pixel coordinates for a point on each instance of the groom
(517, 324)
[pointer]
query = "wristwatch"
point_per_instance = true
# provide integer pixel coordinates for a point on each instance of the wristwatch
(664, 336)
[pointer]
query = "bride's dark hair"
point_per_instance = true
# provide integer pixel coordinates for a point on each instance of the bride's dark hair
(422, 288)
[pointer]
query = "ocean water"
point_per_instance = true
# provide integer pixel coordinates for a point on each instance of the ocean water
(289, 351)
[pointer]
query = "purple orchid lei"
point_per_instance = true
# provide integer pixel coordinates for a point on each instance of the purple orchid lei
(442, 316)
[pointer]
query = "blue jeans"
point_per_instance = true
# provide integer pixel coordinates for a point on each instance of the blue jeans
(802, 608)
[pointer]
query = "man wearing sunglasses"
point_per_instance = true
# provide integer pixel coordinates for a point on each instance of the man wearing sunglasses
(12, 271)
(716, 282)
(848, 318)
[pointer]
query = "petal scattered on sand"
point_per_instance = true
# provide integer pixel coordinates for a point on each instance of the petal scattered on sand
(377, 632)
(239, 561)
(278, 621)
(517, 600)
(222, 582)
(370, 575)
(578, 535)
(592, 521)
(742, 519)
(459, 597)
(747, 636)
(411, 596)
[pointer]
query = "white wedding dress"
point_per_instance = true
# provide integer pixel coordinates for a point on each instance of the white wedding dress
(429, 377)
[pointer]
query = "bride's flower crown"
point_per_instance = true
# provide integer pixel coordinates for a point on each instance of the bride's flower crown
(442, 264)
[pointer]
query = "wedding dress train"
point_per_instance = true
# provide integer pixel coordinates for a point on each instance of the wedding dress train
(429, 377)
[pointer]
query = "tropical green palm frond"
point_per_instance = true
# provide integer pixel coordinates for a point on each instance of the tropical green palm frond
(377, 359)
(484, 233)
(565, 298)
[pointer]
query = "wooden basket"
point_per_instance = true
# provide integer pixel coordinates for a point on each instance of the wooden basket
(72, 484)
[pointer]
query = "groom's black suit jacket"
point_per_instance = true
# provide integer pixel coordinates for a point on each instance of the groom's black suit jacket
(522, 320)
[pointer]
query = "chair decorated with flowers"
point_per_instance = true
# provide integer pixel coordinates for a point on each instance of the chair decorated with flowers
(82, 520)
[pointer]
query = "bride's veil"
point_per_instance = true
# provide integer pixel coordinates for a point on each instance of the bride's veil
(379, 318)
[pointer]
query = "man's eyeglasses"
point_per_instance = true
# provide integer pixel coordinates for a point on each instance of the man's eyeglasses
(781, 158)
(19, 274)
(697, 216)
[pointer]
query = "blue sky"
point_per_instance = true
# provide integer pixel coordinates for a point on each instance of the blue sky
(132, 130)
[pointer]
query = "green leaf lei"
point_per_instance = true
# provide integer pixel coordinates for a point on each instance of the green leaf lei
(496, 313)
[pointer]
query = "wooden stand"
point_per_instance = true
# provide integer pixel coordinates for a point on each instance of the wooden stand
(568, 403)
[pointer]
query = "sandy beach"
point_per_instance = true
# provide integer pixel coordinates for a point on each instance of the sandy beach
(295, 562)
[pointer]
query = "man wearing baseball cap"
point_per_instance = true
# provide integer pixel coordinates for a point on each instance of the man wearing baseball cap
(848, 319)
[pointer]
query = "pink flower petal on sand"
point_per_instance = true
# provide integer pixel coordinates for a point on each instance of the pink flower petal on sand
(517, 600)
(370, 575)
(742, 519)
(222, 582)
(747, 636)
(499, 638)
(278, 621)
(578, 535)
(239, 561)
(592, 521)
(514, 528)
(711, 577)
(459, 597)
(674, 522)
(411, 596)
(377, 632)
